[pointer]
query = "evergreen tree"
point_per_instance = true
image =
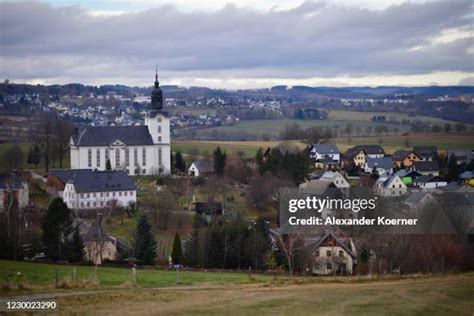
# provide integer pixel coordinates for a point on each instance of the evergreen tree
(452, 169)
(191, 251)
(34, 155)
(177, 254)
(180, 163)
(144, 243)
(57, 228)
(76, 247)
(259, 160)
(219, 160)
(108, 165)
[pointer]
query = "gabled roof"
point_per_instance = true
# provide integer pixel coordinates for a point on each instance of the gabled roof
(400, 155)
(95, 234)
(101, 181)
(342, 242)
(460, 153)
(428, 179)
(66, 174)
(385, 162)
(426, 166)
(10, 181)
(204, 165)
(367, 149)
(387, 180)
(407, 173)
(325, 149)
(106, 135)
(467, 175)
(426, 151)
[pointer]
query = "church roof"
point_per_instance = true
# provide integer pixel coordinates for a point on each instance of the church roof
(106, 135)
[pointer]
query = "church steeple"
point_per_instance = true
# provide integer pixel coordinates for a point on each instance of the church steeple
(157, 95)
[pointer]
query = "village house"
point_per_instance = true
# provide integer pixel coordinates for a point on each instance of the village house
(405, 158)
(467, 177)
(407, 175)
(426, 153)
(99, 246)
(331, 255)
(209, 211)
(14, 192)
(58, 178)
(426, 167)
(390, 186)
(326, 156)
(382, 166)
(429, 182)
(460, 155)
(99, 189)
(360, 153)
(201, 168)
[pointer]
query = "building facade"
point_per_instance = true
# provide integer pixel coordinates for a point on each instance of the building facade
(99, 189)
(137, 150)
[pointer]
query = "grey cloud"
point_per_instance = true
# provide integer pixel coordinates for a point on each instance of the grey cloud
(315, 39)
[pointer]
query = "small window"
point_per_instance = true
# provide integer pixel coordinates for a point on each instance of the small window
(341, 253)
(328, 253)
(329, 266)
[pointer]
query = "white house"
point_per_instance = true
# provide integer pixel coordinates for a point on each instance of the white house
(382, 166)
(336, 178)
(332, 254)
(99, 189)
(201, 167)
(325, 151)
(429, 182)
(135, 149)
(390, 186)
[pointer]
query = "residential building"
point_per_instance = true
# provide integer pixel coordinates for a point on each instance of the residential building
(99, 246)
(429, 182)
(99, 189)
(390, 186)
(360, 153)
(14, 192)
(382, 166)
(426, 167)
(201, 167)
(426, 153)
(460, 155)
(325, 152)
(138, 150)
(405, 158)
(58, 178)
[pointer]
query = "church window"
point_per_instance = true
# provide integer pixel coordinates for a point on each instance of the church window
(106, 154)
(89, 157)
(117, 157)
(97, 153)
(144, 156)
(135, 156)
(159, 156)
(159, 128)
(127, 157)
(159, 138)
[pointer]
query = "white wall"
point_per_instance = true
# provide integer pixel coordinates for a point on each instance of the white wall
(76, 200)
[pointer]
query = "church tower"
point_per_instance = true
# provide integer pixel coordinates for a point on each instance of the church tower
(158, 123)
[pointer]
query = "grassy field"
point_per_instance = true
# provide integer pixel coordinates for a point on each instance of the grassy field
(42, 276)
(218, 293)
(390, 143)
(336, 115)
(274, 127)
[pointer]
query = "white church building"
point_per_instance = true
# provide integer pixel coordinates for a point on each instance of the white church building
(137, 150)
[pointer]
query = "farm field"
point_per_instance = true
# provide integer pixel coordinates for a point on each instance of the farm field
(274, 127)
(389, 116)
(217, 293)
(390, 143)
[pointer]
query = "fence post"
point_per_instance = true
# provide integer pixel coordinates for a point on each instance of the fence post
(56, 276)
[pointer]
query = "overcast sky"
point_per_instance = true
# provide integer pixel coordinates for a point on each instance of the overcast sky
(246, 44)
